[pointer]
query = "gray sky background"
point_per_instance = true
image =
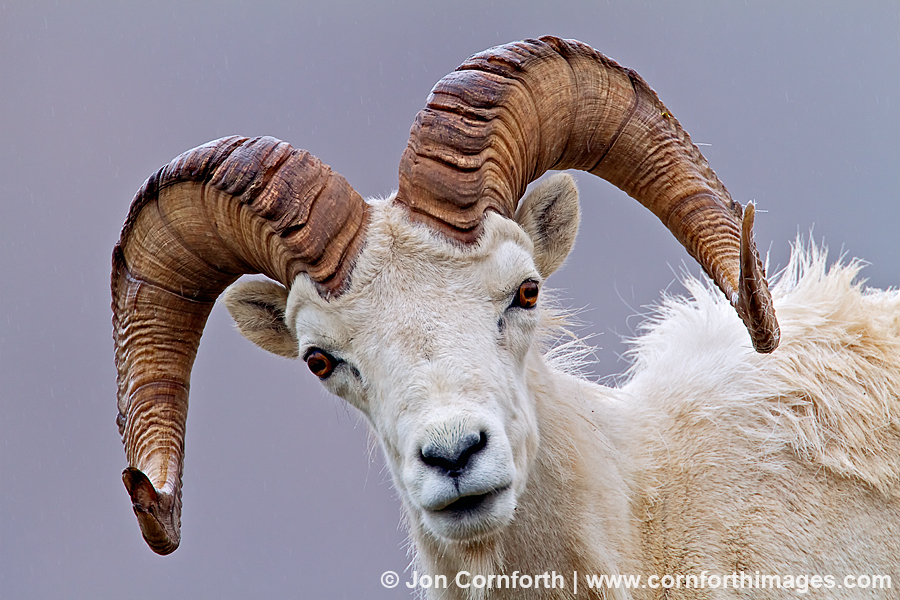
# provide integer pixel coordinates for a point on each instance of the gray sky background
(285, 496)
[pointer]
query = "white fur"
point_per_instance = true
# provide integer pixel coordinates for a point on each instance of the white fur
(709, 458)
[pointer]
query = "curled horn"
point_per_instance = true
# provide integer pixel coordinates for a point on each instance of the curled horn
(511, 113)
(230, 207)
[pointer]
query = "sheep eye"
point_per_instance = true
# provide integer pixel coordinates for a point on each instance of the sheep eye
(527, 294)
(320, 363)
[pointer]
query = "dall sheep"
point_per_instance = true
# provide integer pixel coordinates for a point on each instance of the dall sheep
(423, 311)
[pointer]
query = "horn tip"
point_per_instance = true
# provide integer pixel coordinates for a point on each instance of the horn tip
(755, 301)
(156, 521)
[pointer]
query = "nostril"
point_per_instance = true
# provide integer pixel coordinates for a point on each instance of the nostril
(453, 459)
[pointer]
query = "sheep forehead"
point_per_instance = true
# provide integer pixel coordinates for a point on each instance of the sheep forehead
(394, 245)
(408, 272)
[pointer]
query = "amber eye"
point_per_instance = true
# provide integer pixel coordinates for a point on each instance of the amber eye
(527, 294)
(320, 363)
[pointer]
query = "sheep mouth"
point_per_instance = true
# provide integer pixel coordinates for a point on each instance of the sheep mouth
(474, 503)
(472, 516)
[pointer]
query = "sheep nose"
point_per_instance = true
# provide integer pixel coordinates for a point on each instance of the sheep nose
(453, 458)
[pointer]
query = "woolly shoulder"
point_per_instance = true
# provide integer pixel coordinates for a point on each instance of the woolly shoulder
(831, 392)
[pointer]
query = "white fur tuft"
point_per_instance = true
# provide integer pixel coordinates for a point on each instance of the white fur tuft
(831, 392)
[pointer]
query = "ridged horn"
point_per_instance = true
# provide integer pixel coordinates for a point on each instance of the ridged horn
(230, 207)
(511, 113)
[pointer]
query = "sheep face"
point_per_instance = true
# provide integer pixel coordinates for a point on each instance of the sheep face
(435, 344)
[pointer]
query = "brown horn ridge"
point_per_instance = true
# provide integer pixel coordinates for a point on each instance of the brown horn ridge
(511, 113)
(231, 207)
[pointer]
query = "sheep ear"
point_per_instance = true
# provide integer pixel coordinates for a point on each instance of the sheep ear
(258, 309)
(550, 215)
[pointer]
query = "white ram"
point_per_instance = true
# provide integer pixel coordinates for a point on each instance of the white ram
(422, 310)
